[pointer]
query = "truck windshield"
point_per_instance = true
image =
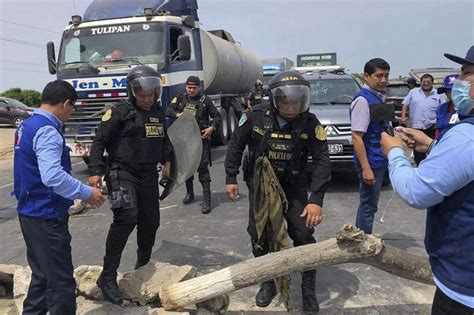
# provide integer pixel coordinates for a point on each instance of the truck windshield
(333, 91)
(111, 45)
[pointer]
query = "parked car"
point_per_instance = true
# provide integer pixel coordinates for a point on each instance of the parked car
(13, 112)
(396, 91)
(330, 99)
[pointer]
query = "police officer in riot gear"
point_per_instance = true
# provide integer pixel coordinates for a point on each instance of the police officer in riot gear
(201, 107)
(133, 132)
(256, 97)
(286, 132)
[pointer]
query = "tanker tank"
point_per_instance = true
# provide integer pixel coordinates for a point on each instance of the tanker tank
(227, 67)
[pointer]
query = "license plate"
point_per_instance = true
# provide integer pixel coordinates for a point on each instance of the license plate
(335, 148)
(79, 149)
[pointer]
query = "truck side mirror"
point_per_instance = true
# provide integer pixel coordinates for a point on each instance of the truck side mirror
(184, 47)
(52, 66)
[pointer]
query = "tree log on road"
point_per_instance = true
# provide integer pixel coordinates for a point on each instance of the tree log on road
(349, 246)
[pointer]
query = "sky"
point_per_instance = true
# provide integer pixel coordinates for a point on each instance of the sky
(407, 33)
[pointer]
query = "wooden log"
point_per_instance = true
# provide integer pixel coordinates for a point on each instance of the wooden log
(349, 245)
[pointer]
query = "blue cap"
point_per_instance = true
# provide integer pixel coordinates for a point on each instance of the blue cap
(448, 83)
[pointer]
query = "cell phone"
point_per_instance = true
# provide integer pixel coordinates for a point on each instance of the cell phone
(389, 130)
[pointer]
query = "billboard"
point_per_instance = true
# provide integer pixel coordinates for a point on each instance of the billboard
(320, 59)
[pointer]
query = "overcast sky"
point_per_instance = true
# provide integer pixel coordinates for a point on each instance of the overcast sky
(407, 33)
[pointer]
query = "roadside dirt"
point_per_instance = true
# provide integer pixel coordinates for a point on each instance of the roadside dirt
(6, 142)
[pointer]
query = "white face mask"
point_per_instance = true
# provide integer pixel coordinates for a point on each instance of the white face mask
(461, 97)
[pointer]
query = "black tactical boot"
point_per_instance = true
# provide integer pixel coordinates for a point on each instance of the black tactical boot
(107, 281)
(266, 294)
(206, 198)
(189, 191)
(308, 287)
(143, 257)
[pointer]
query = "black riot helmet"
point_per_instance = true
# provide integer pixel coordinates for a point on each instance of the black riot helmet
(143, 80)
(289, 93)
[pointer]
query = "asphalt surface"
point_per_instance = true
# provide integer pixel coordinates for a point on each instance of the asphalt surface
(219, 239)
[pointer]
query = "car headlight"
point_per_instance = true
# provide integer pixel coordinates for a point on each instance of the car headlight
(331, 131)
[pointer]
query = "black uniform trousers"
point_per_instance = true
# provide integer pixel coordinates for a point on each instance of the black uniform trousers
(141, 181)
(297, 200)
(48, 250)
(203, 169)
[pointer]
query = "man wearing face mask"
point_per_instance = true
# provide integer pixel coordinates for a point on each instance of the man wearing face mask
(285, 132)
(445, 114)
(421, 104)
(444, 183)
(133, 132)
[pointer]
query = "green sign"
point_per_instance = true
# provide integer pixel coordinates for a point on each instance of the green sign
(325, 59)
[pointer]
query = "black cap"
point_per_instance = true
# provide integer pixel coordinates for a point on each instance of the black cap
(193, 80)
(469, 57)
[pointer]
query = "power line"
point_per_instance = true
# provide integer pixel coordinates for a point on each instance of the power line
(29, 26)
(22, 42)
(23, 62)
(25, 70)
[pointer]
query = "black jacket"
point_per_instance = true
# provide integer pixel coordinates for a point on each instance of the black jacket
(300, 138)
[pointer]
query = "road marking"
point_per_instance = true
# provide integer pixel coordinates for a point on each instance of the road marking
(168, 207)
(7, 185)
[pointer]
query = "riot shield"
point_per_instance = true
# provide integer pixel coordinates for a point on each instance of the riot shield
(185, 136)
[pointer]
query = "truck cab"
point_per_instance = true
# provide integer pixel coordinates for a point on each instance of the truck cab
(97, 52)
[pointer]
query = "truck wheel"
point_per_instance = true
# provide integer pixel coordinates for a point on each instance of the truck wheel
(233, 121)
(220, 136)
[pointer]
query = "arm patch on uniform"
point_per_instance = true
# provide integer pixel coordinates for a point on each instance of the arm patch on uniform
(243, 119)
(320, 133)
(175, 99)
(107, 115)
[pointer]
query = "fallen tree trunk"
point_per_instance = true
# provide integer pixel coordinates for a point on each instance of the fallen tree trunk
(349, 245)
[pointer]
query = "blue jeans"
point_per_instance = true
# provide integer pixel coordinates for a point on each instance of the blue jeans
(369, 199)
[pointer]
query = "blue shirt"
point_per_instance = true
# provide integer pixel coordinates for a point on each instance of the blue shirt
(48, 146)
(422, 107)
(448, 168)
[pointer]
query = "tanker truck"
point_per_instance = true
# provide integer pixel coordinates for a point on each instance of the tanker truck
(114, 36)
(272, 66)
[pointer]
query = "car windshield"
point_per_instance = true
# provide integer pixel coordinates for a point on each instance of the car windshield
(397, 90)
(333, 91)
(89, 48)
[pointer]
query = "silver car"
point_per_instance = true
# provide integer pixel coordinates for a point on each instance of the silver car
(331, 96)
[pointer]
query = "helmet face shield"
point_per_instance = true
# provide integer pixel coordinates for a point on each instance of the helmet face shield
(146, 87)
(291, 99)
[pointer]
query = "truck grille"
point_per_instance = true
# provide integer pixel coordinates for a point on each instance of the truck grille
(82, 125)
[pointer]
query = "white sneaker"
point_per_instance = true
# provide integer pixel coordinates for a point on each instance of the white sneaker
(78, 207)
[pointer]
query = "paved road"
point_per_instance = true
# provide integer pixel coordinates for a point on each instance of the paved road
(219, 239)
